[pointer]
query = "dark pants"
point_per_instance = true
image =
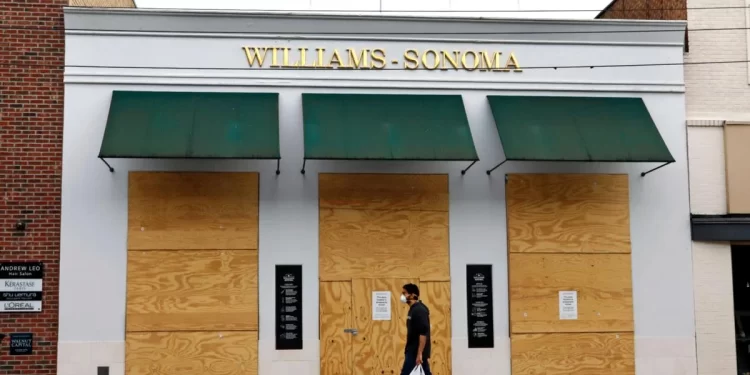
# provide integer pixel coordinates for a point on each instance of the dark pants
(410, 362)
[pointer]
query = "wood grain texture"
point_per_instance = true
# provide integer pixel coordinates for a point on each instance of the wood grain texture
(737, 137)
(384, 192)
(568, 213)
(573, 353)
(335, 316)
(190, 211)
(191, 353)
(192, 290)
(603, 282)
(436, 295)
(375, 243)
(377, 233)
(379, 346)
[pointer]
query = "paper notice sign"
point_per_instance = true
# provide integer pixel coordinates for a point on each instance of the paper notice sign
(568, 305)
(381, 305)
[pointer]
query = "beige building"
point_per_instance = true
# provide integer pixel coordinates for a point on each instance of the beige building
(718, 129)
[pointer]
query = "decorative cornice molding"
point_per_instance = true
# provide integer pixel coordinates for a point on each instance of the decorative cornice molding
(208, 78)
(377, 16)
(286, 24)
(464, 38)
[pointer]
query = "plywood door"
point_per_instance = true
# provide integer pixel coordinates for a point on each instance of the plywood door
(570, 233)
(437, 296)
(378, 232)
(336, 316)
(378, 346)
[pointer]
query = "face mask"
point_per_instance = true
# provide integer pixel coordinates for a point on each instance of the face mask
(403, 298)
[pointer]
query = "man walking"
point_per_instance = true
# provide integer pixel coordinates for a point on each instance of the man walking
(417, 351)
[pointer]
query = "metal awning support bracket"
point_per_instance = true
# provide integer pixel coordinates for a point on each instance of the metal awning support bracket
(649, 171)
(111, 170)
(489, 171)
(463, 171)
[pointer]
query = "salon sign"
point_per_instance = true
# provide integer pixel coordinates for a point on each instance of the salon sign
(21, 287)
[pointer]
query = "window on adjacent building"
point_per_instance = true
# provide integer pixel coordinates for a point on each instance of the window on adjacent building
(737, 144)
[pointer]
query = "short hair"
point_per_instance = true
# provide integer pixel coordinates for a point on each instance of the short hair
(412, 289)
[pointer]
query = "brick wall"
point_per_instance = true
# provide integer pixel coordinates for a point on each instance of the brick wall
(31, 122)
(669, 10)
(719, 92)
(103, 3)
(645, 10)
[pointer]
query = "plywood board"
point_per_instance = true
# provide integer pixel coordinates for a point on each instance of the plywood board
(568, 213)
(384, 191)
(737, 140)
(436, 295)
(573, 353)
(376, 243)
(603, 283)
(191, 353)
(189, 211)
(335, 316)
(192, 290)
(379, 346)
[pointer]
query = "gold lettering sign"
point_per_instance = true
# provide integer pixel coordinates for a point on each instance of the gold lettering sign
(376, 58)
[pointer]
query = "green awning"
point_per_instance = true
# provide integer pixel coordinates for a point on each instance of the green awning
(545, 128)
(192, 125)
(386, 127)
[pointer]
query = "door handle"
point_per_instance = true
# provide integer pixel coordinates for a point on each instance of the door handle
(353, 331)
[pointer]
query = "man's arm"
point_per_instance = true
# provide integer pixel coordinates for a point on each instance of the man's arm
(422, 329)
(422, 344)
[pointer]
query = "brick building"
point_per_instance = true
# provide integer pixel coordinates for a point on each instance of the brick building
(32, 51)
(718, 129)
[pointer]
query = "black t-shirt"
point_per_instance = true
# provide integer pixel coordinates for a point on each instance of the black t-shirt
(418, 324)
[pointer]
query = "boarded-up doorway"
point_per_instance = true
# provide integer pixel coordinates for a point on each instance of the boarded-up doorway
(570, 233)
(378, 232)
(192, 281)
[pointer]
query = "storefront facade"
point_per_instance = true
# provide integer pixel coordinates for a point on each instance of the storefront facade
(175, 252)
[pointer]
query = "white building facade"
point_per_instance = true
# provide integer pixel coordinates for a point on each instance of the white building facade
(116, 304)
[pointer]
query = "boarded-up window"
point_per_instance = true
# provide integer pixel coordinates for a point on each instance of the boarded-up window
(737, 140)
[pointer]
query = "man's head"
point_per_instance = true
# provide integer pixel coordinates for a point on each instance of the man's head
(410, 293)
